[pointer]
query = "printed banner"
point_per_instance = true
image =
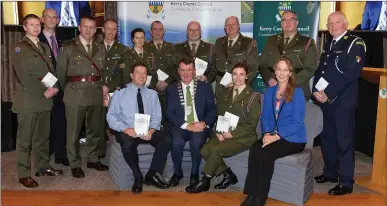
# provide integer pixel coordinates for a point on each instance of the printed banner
(176, 15)
(267, 22)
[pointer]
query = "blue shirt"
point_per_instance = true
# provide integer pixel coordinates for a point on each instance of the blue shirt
(123, 106)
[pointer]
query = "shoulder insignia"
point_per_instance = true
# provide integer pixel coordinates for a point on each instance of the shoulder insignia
(17, 50)
(360, 43)
(121, 65)
(345, 37)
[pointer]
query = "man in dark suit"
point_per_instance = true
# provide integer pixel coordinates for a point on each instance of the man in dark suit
(191, 112)
(73, 10)
(58, 120)
(336, 92)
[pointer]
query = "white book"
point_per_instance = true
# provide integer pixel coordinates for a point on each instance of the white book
(49, 80)
(233, 120)
(227, 79)
(148, 80)
(162, 76)
(200, 66)
(223, 124)
(141, 124)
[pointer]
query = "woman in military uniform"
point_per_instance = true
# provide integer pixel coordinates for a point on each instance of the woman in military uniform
(239, 100)
(136, 55)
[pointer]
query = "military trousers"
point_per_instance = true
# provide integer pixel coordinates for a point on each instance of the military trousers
(213, 151)
(32, 135)
(75, 116)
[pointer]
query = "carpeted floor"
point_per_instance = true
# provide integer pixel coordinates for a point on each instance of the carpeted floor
(95, 180)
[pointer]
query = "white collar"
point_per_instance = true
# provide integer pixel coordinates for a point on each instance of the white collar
(338, 38)
(84, 42)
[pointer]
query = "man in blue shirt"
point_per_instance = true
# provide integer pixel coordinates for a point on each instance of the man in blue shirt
(120, 117)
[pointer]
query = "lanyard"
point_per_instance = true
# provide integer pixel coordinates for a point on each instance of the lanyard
(276, 119)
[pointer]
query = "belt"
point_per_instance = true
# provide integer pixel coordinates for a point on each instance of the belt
(220, 73)
(91, 79)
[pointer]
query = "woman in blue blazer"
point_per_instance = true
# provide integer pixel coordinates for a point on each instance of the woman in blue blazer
(283, 131)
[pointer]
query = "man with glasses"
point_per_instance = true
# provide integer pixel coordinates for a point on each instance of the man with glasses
(194, 47)
(335, 89)
(301, 50)
(231, 49)
(58, 120)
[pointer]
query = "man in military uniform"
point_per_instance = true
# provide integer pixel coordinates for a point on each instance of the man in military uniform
(194, 47)
(335, 88)
(239, 100)
(163, 59)
(137, 54)
(231, 49)
(112, 74)
(80, 71)
(31, 61)
(301, 50)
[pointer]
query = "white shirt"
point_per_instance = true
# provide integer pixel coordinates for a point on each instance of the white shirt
(62, 13)
(337, 39)
(233, 40)
(191, 89)
(84, 43)
(48, 37)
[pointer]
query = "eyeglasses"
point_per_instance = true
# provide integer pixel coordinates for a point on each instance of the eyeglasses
(193, 30)
(50, 17)
(231, 25)
(291, 20)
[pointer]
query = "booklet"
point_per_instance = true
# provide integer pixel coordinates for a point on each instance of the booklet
(141, 124)
(201, 66)
(227, 79)
(233, 120)
(223, 124)
(162, 76)
(49, 80)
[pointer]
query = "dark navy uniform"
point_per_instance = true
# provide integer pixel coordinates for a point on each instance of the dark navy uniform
(341, 63)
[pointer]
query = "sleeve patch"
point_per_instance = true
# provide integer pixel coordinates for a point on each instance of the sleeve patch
(17, 50)
(358, 59)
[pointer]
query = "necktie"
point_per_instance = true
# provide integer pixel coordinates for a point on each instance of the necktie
(88, 49)
(230, 43)
(40, 47)
(54, 46)
(333, 43)
(190, 116)
(140, 104)
(140, 55)
(383, 17)
(235, 96)
(108, 47)
(287, 41)
(193, 51)
(159, 46)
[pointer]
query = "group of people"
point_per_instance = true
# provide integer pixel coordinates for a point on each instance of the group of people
(182, 106)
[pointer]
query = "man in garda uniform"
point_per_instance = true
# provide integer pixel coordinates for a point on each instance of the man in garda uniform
(335, 88)
(80, 70)
(112, 74)
(32, 61)
(231, 49)
(163, 59)
(301, 50)
(194, 47)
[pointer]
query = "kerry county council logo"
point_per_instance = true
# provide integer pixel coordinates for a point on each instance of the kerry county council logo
(282, 7)
(155, 10)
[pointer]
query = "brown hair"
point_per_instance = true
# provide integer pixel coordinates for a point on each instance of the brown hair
(291, 83)
(29, 16)
(187, 61)
(241, 64)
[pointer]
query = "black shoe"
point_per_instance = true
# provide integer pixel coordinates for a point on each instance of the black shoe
(250, 200)
(340, 190)
(229, 178)
(64, 162)
(194, 179)
(175, 180)
(77, 172)
(156, 180)
(137, 186)
(28, 182)
(98, 166)
(202, 186)
(322, 179)
(49, 172)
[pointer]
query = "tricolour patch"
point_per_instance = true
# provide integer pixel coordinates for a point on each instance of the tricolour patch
(358, 59)
(17, 50)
